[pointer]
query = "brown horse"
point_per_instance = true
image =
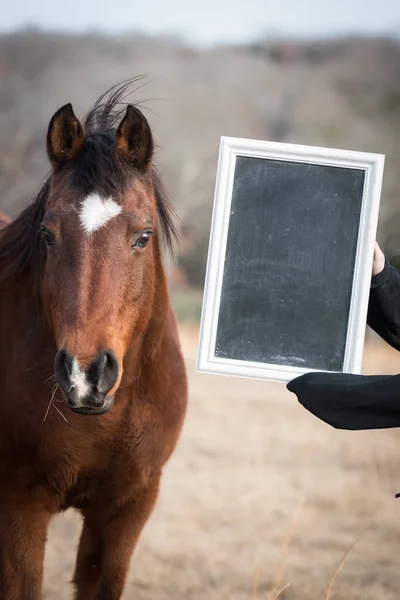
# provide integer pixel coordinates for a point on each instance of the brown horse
(86, 328)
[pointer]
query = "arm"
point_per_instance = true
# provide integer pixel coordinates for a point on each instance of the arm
(384, 301)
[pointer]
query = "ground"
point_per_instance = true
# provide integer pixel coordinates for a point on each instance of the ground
(260, 494)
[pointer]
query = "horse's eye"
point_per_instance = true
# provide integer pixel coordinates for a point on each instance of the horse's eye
(47, 237)
(143, 240)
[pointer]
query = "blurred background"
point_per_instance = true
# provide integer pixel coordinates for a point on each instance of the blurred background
(259, 495)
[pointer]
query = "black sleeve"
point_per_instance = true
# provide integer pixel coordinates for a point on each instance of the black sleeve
(350, 401)
(384, 305)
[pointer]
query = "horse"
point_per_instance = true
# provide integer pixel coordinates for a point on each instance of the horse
(93, 389)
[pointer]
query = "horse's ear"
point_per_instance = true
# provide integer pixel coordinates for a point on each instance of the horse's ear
(65, 136)
(133, 139)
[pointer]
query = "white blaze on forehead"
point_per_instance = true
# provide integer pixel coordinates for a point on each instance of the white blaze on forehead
(78, 380)
(96, 211)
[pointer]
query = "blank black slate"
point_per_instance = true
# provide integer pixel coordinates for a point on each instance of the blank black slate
(289, 263)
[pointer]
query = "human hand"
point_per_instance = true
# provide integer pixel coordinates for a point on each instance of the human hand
(379, 260)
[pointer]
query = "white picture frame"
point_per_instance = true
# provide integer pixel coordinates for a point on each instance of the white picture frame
(230, 149)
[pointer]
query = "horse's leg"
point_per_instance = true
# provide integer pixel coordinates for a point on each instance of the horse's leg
(108, 540)
(87, 570)
(23, 531)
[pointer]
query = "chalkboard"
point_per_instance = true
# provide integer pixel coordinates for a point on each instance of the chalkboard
(291, 245)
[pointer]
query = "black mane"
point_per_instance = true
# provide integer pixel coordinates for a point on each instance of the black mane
(97, 167)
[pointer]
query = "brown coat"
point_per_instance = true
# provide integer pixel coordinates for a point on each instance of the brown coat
(82, 292)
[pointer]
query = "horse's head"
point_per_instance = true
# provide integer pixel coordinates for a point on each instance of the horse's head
(102, 249)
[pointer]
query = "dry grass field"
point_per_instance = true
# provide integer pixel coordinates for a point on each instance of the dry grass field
(260, 494)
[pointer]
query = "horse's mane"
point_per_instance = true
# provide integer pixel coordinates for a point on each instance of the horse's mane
(20, 243)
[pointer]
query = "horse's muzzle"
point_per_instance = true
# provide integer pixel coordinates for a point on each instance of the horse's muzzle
(89, 409)
(87, 391)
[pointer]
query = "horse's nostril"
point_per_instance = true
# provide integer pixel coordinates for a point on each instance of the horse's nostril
(111, 362)
(63, 369)
(103, 372)
(110, 372)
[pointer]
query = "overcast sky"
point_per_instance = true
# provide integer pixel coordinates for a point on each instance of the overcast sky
(209, 21)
